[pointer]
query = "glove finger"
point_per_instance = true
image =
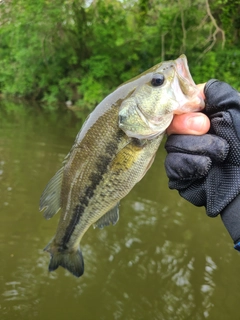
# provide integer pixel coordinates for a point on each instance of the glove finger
(181, 166)
(208, 145)
(220, 96)
(196, 193)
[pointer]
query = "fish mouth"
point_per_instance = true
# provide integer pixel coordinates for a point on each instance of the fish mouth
(192, 99)
(153, 126)
(186, 81)
(149, 120)
(183, 70)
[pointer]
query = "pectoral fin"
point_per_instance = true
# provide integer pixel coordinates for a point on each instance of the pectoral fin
(111, 217)
(50, 198)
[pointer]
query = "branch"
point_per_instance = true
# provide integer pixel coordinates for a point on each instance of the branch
(217, 30)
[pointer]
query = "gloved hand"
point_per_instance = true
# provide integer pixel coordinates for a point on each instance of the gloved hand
(206, 169)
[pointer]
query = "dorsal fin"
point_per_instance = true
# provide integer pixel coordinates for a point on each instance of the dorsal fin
(110, 217)
(50, 198)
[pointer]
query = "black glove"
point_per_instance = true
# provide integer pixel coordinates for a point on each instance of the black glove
(206, 169)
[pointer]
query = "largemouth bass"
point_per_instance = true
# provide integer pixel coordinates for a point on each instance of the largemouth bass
(112, 152)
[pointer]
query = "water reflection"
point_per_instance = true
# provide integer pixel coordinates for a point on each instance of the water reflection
(151, 266)
(163, 260)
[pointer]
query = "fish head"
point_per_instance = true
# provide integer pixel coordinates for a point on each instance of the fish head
(159, 93)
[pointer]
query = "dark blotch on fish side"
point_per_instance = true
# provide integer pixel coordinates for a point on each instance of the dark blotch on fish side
(138, 143)
(89, 192)
(95, 178)
(78, 212)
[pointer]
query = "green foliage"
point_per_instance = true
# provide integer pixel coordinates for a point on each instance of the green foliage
(66, 50)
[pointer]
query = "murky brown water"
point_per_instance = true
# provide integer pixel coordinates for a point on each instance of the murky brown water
(163, 260)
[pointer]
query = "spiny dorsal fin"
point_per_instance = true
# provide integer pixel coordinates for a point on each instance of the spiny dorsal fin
(110, 217)
(50, 198)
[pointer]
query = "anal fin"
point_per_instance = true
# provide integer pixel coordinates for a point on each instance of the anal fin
(110, 217)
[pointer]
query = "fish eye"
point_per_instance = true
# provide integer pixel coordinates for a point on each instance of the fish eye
(157, 80)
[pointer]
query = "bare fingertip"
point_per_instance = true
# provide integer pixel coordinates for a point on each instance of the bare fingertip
(197, 124)
(192, 123)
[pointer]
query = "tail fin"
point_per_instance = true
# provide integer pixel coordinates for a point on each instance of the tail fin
(72, 261)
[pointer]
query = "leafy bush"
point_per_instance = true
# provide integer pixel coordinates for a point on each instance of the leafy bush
(66, 50)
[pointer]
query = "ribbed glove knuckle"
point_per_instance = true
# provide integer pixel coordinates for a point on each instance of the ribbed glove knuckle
(208, 145)
(186, 167)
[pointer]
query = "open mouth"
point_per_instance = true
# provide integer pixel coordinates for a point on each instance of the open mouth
(189, 96)
(186, 81)
(183, 70)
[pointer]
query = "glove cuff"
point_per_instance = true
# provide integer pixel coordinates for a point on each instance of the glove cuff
(231, 219)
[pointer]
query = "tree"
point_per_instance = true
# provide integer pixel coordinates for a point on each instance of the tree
(80, 51)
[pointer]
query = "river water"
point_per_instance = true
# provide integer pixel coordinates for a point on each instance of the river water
(164, 259)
